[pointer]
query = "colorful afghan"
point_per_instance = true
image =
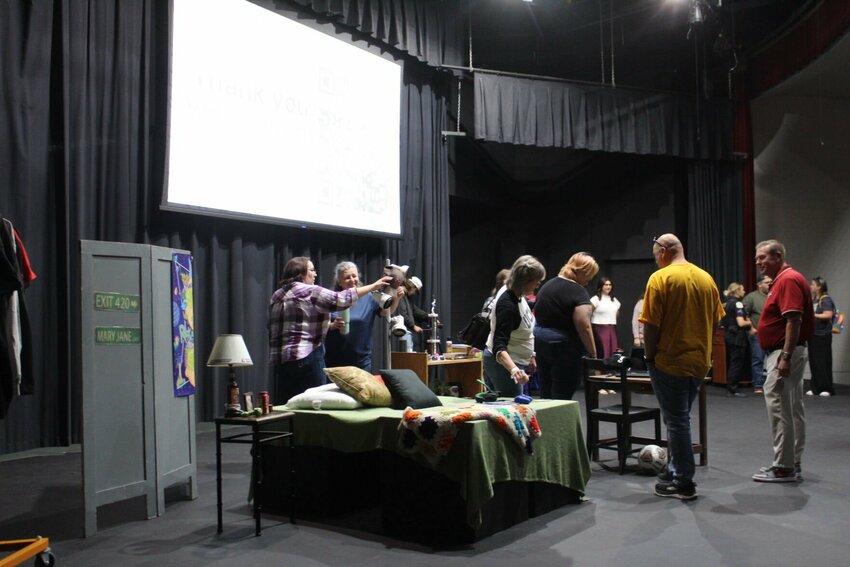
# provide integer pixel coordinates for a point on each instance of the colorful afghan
(432, 432)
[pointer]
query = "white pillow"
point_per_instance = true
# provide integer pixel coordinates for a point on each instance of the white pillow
(329, 387)
(326, 398)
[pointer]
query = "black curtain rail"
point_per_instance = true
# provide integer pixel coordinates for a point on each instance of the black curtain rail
(474, 70)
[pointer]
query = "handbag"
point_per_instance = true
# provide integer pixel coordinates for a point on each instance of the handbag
(475, 332)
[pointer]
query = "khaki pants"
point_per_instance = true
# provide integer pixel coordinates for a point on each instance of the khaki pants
(784, 400)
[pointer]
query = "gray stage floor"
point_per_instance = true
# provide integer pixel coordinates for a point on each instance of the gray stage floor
(735, 521)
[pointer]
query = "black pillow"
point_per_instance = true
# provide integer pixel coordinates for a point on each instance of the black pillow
(408, 390)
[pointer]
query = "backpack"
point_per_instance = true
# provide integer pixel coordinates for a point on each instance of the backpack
(837, 322)
(475, 332)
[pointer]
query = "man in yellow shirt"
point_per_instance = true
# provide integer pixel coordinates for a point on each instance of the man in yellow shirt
(681, 309)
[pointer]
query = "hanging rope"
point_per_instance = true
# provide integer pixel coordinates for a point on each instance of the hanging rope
(601, 42)
(613, 77)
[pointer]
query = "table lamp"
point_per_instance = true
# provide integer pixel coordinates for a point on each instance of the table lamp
(230, 351)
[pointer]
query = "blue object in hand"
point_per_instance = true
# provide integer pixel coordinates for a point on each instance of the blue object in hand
(523, 399)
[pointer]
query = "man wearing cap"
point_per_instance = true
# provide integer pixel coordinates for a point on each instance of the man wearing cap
(787, 322)
(413, 316)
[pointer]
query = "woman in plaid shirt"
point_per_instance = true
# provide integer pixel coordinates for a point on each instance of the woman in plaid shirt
(299, 314)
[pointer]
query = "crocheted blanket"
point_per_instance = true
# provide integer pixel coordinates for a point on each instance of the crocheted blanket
(432, 432)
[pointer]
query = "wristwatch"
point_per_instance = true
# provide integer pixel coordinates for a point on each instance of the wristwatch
(785, 355)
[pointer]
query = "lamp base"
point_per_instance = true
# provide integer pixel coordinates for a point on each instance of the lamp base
(232, 412)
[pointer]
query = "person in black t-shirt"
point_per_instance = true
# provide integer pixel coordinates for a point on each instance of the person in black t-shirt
(820, 345)
(736, 325)
(562, 332)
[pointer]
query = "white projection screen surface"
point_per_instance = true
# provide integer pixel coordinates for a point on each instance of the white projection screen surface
(276, 121)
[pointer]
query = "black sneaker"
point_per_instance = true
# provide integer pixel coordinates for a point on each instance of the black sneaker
(675, 489)
(665, 475)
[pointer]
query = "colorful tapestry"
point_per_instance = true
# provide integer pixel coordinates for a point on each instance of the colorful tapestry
(183, 325)
(432, 432)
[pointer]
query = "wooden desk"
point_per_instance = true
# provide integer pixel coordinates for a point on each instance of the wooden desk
(643, 385)
(256, 437)
(465, 371)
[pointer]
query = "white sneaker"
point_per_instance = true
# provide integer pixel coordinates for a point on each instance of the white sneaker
(810, 393)
(824, 394)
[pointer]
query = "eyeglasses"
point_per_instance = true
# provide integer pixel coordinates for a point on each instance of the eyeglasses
(655, 241)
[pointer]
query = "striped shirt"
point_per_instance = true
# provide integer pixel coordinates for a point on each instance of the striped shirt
(298, 319)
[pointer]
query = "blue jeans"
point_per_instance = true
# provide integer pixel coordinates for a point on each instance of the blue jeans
(293, 377)
(757, 361)
(498, 378)
(676, 395)
(558, 363)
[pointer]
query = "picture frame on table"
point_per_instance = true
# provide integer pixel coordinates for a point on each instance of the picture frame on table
(248, 401)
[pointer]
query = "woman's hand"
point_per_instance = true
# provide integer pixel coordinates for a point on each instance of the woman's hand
(386, 280)
(337, 324)
(519, 376)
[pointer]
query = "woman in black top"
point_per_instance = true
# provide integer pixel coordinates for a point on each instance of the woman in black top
(736, 326)
(820, 344)
(509, 357)
(562, 331)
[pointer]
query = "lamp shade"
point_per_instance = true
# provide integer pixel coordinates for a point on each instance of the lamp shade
(229, 350)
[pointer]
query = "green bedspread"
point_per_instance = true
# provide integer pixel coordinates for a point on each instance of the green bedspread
(481, 456)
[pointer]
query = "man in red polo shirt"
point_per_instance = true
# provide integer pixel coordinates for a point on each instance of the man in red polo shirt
(787, 321)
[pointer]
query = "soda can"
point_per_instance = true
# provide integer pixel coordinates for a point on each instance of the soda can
(265, 403)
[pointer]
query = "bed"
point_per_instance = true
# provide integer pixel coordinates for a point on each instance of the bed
(349, 461)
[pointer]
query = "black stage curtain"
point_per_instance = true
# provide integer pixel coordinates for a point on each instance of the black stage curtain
(82, 146)
(715, 219)
(432, 32)
(568, 115)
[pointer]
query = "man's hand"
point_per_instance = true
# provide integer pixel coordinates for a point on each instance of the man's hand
(783, 367)
(417, 329)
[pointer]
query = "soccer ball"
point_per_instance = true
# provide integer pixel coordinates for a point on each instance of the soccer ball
(652, 459)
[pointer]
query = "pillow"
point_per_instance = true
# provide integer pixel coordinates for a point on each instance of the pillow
(408, 390)
(327, 398)
(359, 384)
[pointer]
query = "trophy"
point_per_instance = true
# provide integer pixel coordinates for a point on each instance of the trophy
(434, 341)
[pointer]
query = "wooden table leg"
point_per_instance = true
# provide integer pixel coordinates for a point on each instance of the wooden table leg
(218, 473)
(703, 426)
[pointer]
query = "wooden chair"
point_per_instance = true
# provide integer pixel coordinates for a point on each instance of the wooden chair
(623, 414)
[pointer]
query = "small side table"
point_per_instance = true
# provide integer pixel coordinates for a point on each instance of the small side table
(256, 437)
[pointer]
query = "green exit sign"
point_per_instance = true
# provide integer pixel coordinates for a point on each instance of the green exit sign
(108, 301)
(117, 335)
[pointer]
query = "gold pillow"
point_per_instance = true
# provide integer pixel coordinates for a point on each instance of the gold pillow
(360, 385)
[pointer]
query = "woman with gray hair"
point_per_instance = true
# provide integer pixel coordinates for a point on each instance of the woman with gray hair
(350, 344)
(509, 357)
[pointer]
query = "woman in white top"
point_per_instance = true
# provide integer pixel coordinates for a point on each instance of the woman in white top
(604, 318)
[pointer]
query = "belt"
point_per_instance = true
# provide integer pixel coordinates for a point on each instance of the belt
(769, 350)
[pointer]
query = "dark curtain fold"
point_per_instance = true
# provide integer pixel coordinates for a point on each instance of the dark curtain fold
(82, 150)
(425, 206)
(28, 198)
(560, 114)
(430, 31)
(715, 220)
